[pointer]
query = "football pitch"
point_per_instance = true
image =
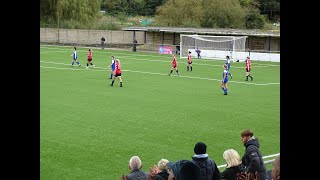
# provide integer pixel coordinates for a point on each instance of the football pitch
(90, 130)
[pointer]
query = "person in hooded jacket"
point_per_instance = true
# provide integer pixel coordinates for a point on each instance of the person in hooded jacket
(208, 168)
(252, 158)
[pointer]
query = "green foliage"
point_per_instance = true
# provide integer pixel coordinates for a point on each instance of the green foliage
(271, 8)
(76, 11)
(255, 21)
(131, 7)
(108, 26)
(202, 13)
(222, 14)
(122, 16)
(191, 13)
(176, 12)
(48, 23)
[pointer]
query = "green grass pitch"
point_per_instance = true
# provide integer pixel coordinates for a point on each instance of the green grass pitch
(90, 130)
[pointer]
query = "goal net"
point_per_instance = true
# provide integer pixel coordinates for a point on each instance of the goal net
(213, 47)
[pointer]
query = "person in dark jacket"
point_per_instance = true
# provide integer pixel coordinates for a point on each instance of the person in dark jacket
(208, 168)
(275, 173)
(234, 165)
(159, 172)
(252, 159)
(135, 168)
(183, 170)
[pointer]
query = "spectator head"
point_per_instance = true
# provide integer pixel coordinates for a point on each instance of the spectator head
(246, 135)
(135, 163)
(275, 173)
(232, 158)
(162, 164)
(183, 170)
(200, 148)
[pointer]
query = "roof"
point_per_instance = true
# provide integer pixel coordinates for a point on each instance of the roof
(215, 31)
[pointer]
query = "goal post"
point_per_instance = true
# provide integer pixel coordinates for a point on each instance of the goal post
(213, 47)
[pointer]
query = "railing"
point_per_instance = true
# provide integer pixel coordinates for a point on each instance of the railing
(265, 162)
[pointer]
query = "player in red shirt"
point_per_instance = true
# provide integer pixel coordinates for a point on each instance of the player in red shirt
(189, 63)
(174, 64)
(117, 73)
(89, 61)
(248, 68)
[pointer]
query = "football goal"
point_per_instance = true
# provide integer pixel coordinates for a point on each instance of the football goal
(213, 47)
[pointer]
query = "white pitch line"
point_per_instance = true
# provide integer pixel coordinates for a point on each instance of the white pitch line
(201, 64)
(153, 73)
(130, 57)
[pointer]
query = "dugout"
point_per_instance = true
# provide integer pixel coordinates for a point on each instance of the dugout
(257, 40)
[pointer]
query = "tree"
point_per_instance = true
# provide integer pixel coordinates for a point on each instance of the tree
(222, 14)
(271, 8)
(180, 13)
(202, 13)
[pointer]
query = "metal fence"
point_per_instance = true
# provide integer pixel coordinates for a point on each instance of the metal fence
(267, 161)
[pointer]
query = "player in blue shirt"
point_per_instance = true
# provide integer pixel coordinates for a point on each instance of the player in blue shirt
(113, 66)
(75, 57)
(224, 82)
(228, 65)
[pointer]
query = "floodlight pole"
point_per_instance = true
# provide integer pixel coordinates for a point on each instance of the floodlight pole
(233, 47)
(58, 25)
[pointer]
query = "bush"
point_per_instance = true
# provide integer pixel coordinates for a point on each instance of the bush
(255, 21)
(108, 26)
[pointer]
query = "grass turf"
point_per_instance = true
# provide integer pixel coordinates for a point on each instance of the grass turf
(89, 130)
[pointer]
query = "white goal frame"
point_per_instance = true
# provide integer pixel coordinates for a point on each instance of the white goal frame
(213, 47)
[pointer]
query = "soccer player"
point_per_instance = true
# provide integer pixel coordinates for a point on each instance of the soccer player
(228, 65)
(248, 68)
(113, 66)
(117, 73)
(75, 57)
(224, 82)
(189, 63)
(174, 64)
(89, 61)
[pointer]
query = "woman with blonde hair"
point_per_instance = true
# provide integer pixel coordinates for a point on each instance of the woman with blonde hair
(234, 166)
(159, 172)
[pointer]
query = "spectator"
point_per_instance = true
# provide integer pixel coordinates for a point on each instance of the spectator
(177, 50)
(208, 168)
(135, 168)
(198, 51)
(252, 159)
(159, 172)
(183, 170)
(275, 173)
(135, 45)
(234, 165)
(102, 42)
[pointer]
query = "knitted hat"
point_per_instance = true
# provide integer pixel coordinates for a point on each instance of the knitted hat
(200, 148)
